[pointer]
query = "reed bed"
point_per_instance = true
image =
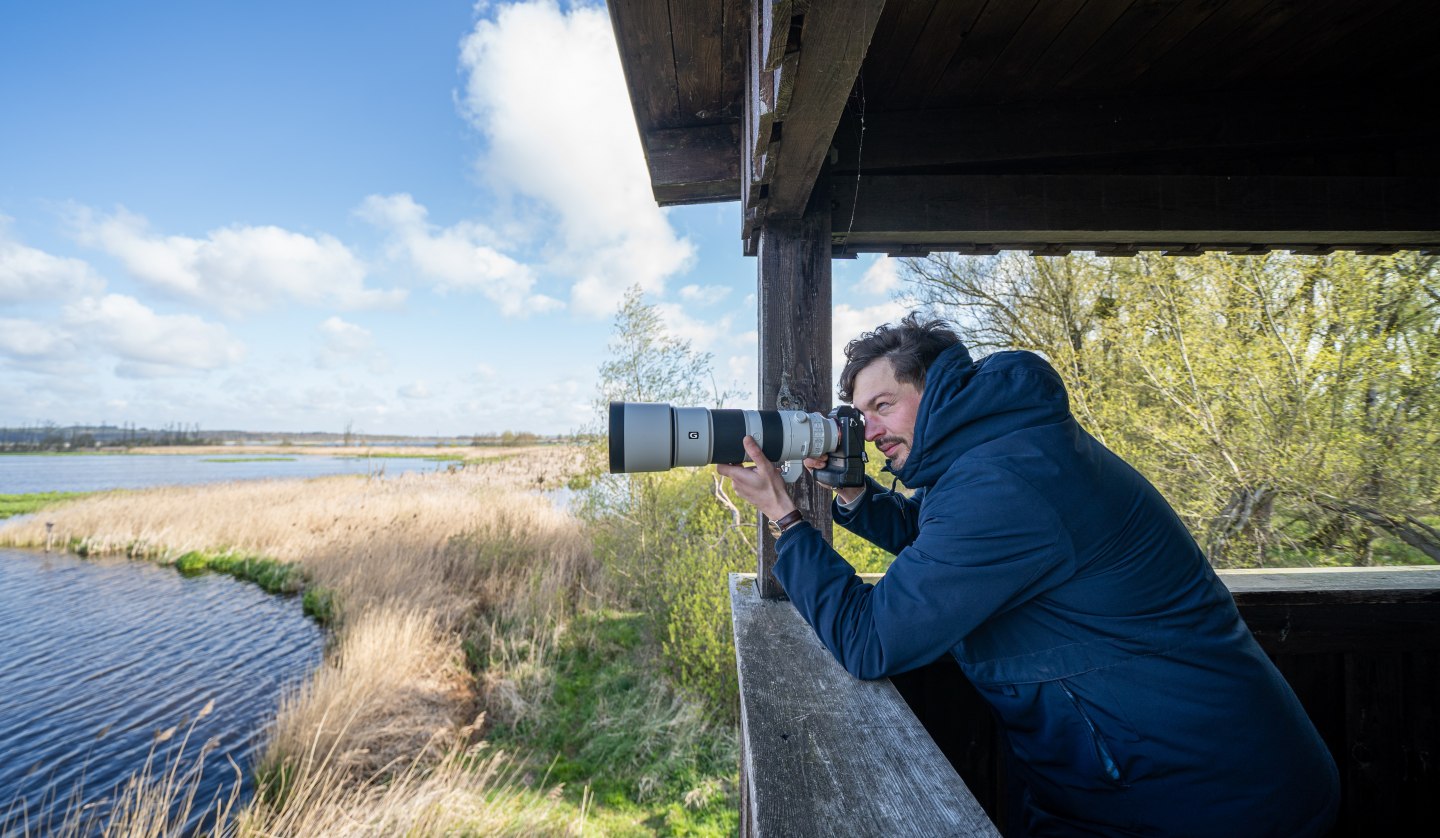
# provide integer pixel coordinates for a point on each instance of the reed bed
(423, 567)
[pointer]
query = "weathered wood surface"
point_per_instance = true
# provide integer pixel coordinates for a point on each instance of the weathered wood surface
(794, 299)
(1361, 649)
(1337, 584)
(830, 45)
(825, 754)
(1156, 212)
(1340, 610)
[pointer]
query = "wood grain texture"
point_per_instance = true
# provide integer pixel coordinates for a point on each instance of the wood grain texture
(833, 42)
(1151, 211)
(826, 754)
(694, 165)
(794, 302)
(647, 57)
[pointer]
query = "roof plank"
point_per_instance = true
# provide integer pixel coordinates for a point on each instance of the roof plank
(698, 67)
(834, 37)
(982, 45)
(647, 57)
(1073, 41)
(1177, 212)
(1115, 134)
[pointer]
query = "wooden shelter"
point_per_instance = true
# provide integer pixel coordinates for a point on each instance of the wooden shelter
(906, 126)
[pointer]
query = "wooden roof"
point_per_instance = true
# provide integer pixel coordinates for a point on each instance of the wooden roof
(1048, 124)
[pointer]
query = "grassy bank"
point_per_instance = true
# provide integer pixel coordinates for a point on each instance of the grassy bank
(475, 683)
(12, 505)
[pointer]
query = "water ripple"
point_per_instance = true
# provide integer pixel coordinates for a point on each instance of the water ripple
(98, 657)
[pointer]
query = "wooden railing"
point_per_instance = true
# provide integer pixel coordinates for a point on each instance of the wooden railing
(825, 754)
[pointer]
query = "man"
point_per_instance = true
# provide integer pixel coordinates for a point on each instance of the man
(1134, 699)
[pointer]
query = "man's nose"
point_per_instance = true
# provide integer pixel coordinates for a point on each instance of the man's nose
(873, 431)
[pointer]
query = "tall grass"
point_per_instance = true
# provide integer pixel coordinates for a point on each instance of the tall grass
(424, 569)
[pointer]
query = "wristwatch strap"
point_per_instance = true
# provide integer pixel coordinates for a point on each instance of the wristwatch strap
(785, 522)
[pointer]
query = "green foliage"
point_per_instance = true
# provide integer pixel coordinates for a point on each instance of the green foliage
(24, 504)
(611, 724)
(1287, 406)
(272, 576)
(319, 604)
(668, 543)
(646, 364)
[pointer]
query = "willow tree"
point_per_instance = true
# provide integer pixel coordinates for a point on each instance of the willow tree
(1286, 405)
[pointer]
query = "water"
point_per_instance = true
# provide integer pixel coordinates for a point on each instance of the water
(20, 474)
(97, 656)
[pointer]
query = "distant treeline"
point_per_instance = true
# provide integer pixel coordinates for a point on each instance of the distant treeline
(51, 437)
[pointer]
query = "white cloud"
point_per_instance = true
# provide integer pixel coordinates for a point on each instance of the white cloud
(703, 335)
(149, 344)
(704, 295)
(235, 269)
(458, 258)
(29, 274)
(415, 390)
(344, 344)
(848, 323)
(29, 340)
(544, 86)
(344, 339)
(882, 277)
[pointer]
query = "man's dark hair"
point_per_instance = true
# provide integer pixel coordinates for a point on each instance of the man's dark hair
(911, 346)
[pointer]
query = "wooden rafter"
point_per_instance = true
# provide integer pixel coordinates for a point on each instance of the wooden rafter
(803, 64)
(897, 213)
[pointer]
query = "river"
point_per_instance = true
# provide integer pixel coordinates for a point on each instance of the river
(26, 473)
(98, 658)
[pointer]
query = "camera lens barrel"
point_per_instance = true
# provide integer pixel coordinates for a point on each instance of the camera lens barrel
(657, 437)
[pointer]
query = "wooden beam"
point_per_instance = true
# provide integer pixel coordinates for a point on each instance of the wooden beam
(694, 165)
(1140, 130)
(946, 212)
(824, 754)
(794, 330)
(647, 58)
(798, 92)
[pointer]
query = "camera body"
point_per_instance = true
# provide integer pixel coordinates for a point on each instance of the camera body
(846, 466)
(657, 437)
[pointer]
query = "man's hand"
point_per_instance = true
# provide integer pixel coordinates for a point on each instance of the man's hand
(847, 494)
(761, 484)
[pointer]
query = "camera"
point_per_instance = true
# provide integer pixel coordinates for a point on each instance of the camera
(657, 437)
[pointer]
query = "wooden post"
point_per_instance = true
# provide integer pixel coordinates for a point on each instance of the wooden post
(794, 315)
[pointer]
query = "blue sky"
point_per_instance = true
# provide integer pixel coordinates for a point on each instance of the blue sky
(413, 218)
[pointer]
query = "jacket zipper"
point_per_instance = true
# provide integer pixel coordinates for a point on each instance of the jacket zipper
(1107, 762)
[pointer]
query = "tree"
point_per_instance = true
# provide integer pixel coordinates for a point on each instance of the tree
(1246, 388)
(647, 364)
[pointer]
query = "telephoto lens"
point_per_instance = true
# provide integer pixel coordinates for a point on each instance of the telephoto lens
(657, 437)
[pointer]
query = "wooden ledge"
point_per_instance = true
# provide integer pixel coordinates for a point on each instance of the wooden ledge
(826, 754)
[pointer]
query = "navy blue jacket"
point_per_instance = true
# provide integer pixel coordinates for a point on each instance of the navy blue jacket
(1133, 697)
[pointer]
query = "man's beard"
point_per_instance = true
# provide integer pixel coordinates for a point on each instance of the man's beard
(899, 460)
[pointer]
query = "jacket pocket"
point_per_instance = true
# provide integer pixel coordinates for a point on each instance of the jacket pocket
(1109, 767)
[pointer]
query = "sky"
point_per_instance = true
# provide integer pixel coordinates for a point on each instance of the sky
(402, 218)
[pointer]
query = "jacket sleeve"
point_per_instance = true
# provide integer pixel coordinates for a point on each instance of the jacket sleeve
(889, 520)
(987, 542)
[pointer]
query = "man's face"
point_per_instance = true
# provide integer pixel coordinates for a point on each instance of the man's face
(889, 408)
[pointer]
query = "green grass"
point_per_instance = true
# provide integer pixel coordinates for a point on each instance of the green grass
(248, 460)
(273, 576)
(391, 455)
(654, 767)
(11, 505)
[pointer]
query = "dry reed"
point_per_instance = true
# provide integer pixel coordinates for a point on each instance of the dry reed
(379, 740)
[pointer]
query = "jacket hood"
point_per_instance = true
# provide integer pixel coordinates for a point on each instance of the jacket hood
(968, 403)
